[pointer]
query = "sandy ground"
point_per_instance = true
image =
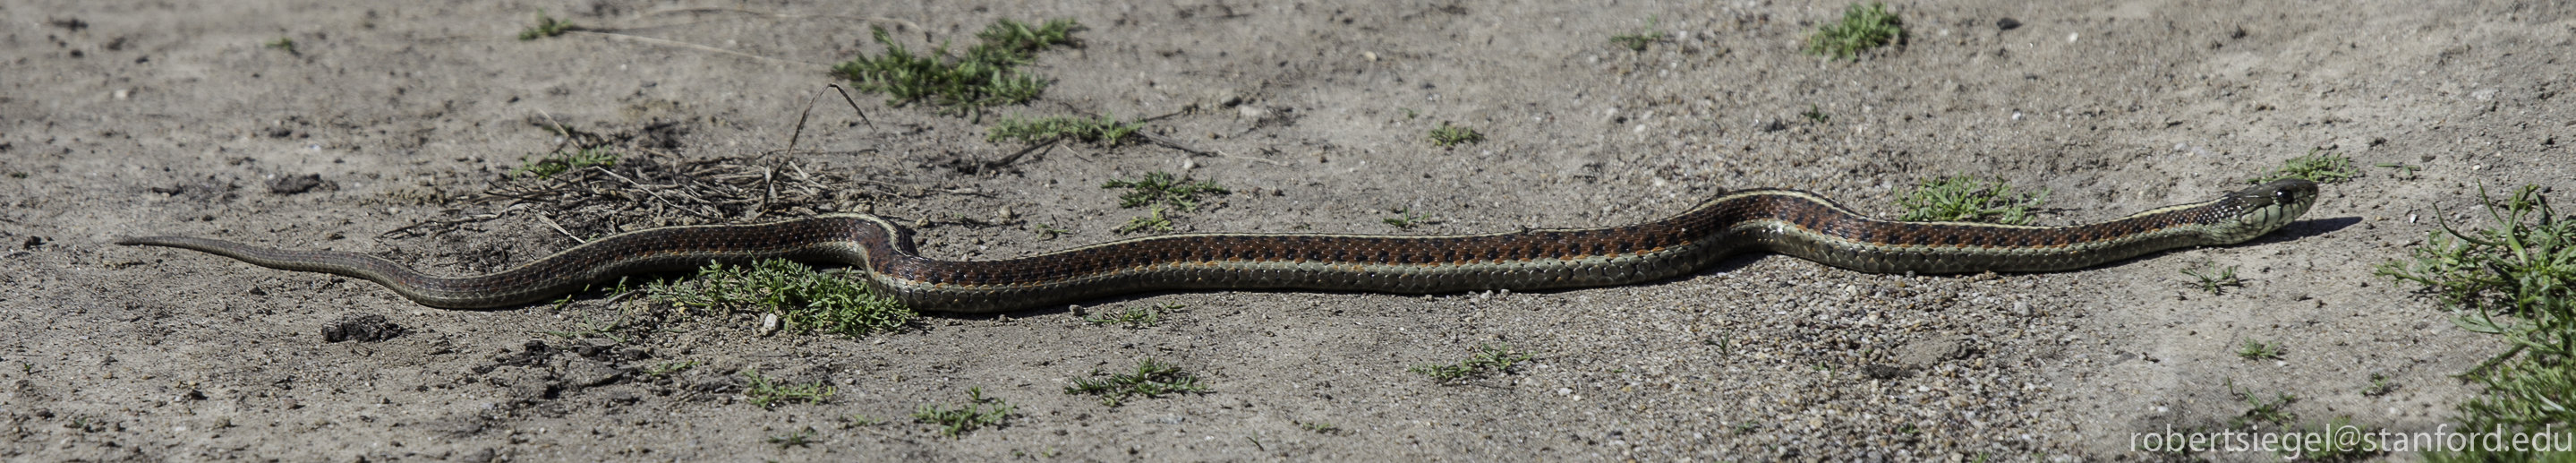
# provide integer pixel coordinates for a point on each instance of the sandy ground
(121, 119)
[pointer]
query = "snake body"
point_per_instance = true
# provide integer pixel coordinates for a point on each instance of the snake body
(1782, 221)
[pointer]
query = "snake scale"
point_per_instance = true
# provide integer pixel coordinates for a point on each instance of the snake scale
(1789, 222)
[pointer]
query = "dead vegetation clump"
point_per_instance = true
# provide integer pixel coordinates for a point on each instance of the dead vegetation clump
(601, 184)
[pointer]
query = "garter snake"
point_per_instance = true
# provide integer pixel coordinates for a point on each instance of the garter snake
(1782, 221)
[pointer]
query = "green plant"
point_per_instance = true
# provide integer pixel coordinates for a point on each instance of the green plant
(2321, 168)
(1961, 198)
(986, 75)
(807, 300)
(550, 164)
(2257, 350)
(1487, 360)
(1404, 218)
(861, 419)
(1816, 114)
(1452, 135)
(2379, 386)
(1160, 187)
(977, 412)
(2275, 411)
(1048, 232)
(1861, 28)
(586, 328)
(1015, 42)
(1103, 130)
(1154, 221)
(667, 368)
(794, 439)
(2515, 279)
(547, 26)
(282, 43)
(1318, 427)
(1637, 41)
(1138, 317)
(766, 392)
(1152, 379)
(1725, 344)
(2213, 278)
(1747, 427)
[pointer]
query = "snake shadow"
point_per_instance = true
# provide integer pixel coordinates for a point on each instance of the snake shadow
(2295, 231)
(2306, 228)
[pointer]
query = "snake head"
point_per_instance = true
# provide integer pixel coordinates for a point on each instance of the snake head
(2291, 193)
(2264, 208)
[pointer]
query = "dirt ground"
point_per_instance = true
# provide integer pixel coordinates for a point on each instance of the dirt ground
(145, 118)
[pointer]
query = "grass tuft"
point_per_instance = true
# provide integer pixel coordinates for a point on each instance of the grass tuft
(1150, 222)
(766, 393)
(859, 419)
(807, 300)
(1637, 41)
(1452, 135)
(1103, 130)
(2321, 168)
(1152, 379)
(586, 328)
(1017, 43)
(1961, 198)
(978, 412)
(2515, 279)
(1405, 219)
(668, 368)
(1861, 28)
(987, 75)
(1160, 187)
(2379, 386)
(547, 26)
(2258, 350)
(2213, 279)
(283, 43)
(1487, 361)
(2275, 411)
(1816, 114)
(794, 439)
(1049, 232)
